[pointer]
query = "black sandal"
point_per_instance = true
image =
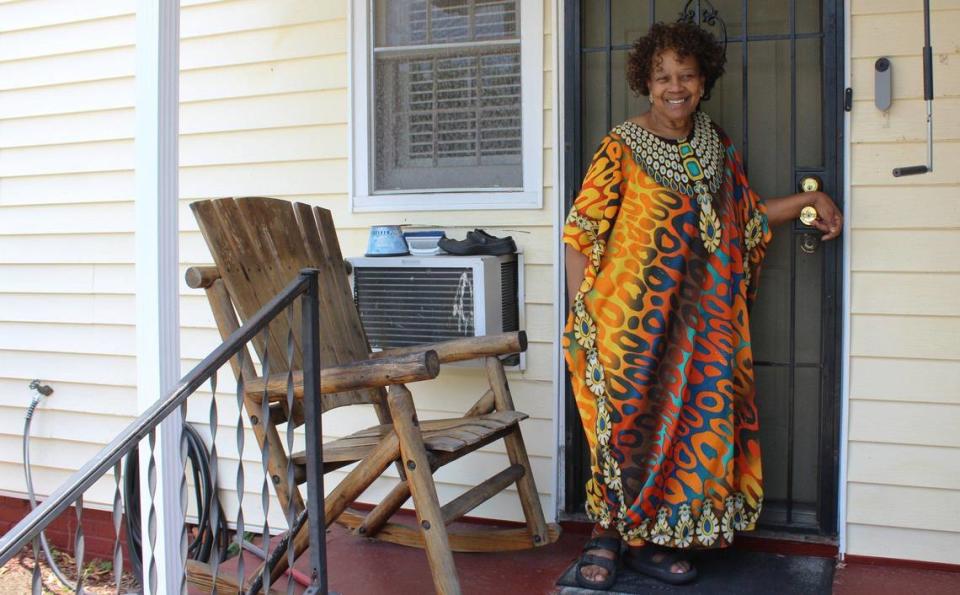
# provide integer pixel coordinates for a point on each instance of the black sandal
(610, 544)
(641, 560)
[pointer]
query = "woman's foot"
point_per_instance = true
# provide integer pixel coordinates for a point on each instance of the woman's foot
(661, 563)
(597, 567)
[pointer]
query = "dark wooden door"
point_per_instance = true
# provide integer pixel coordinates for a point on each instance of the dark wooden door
(780, 101)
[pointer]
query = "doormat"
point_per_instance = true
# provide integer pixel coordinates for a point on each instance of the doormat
(727, 571)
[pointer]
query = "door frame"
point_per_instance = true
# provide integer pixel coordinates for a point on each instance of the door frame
(831, 456)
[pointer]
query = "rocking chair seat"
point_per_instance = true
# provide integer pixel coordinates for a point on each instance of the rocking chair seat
(458, 435)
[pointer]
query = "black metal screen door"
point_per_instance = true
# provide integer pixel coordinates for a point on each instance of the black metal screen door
(780, 103)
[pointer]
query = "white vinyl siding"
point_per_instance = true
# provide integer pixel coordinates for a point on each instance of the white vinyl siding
(903, 468)
(66, 234)
(264, 111)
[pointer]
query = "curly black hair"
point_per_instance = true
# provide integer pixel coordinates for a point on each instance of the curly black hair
(686, 39)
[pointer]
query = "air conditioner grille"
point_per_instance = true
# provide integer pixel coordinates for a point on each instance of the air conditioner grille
(509, 293)
(413, 305)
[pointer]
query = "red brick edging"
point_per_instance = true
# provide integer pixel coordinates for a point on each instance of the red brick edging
(901, 563)
(98, 534)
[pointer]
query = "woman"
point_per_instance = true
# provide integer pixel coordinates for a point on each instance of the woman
(663, 255)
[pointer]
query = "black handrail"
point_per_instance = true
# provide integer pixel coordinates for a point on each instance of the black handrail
(38, 519)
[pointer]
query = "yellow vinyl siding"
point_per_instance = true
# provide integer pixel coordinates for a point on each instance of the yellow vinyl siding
(929, 295)
(905, 369)
(905, 380)
(882, 207)
(921, 466)
(911, 544)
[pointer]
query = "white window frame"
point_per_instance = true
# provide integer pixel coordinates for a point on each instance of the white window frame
(360, 123)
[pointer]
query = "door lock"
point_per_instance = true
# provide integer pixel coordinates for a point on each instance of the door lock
(809, 214)
(810, 184)
(809, 243)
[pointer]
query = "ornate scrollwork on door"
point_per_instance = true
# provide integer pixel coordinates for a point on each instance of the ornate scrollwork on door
(702, 12)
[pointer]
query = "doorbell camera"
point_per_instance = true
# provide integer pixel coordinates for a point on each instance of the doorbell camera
(883, 84)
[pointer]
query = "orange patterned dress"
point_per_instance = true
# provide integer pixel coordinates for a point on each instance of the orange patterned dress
(658, 339)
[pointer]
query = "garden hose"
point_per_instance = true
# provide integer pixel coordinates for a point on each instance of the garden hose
(42, 391)
(204, 490)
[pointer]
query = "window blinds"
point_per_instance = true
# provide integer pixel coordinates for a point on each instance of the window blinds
(447, 95)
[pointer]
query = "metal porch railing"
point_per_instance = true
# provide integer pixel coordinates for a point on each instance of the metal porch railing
(142, 432)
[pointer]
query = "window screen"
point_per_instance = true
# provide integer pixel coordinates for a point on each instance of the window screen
(446, 88)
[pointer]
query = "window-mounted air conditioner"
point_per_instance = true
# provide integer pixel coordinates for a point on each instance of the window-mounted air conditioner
(412, 300)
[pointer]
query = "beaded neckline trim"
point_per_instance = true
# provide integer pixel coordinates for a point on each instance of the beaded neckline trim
(678, 165)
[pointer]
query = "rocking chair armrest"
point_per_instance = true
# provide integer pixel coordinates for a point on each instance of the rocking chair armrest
(201, 277)
(457, 350)
(402, 369)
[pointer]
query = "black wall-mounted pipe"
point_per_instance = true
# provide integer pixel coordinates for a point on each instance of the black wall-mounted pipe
(927, 54)
(928, 96)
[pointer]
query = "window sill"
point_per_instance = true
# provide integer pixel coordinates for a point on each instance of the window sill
(447, 201)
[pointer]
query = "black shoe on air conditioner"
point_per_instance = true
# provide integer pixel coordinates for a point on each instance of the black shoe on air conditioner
(479, 242)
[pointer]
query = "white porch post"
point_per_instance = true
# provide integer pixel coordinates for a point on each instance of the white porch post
(157, 272)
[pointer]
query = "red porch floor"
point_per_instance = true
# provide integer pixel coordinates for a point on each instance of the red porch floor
(362, 566)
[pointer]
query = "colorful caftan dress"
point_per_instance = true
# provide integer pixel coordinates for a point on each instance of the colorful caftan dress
(658, 342)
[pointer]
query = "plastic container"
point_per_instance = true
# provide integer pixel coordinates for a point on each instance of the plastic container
(424, 243)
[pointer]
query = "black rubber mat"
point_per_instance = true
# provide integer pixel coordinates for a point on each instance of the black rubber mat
(728, 571)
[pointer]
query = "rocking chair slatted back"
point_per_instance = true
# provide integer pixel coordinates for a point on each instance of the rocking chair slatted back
(259, 245)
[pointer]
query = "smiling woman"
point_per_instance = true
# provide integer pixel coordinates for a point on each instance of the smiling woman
(664, 247)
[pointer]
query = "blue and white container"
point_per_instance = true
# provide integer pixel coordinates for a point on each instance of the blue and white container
(386, 240)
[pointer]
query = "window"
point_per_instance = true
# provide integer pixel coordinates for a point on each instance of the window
(447, 104)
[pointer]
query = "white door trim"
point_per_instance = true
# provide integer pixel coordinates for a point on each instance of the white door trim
(559, 280)
(845, 308)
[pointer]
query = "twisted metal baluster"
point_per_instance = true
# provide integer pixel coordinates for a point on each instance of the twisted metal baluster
(291, 482)
(214, 465)
(238, 537)
(152, 515)
(117, 520)
(78, 543)
(265, 460)
(183, 497)
(35, 579)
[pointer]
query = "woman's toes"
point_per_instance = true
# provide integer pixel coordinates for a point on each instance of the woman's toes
(594, 574)
(680, 567)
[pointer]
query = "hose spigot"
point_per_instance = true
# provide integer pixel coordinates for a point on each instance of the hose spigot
(43, 389)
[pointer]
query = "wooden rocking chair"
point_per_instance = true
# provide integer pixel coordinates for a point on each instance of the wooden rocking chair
(259, 245)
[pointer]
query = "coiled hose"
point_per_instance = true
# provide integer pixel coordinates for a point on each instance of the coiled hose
(204, 491)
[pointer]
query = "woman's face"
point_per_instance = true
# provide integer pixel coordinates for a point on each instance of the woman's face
(676, 85)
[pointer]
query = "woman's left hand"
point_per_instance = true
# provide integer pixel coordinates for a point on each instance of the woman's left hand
(829, 218)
